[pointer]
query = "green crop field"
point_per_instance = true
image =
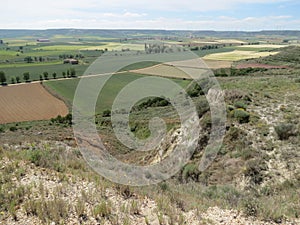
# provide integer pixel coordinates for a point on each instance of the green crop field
(202, 53)
(37, 69)
(66, 88)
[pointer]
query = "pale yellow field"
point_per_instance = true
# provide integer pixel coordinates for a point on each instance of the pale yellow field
(162, 70)
(117, 46)
(238, 55)
(232, 41)
(202, 63)
(218, 64)
(221, 41)
(180, 69)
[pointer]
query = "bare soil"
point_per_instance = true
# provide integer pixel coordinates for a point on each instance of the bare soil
(29, 102)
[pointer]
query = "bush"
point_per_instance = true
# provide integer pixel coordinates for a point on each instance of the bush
(254, 170)
(285, 130)
(190, 171)
(241, 105)
(63, 120)
(250, 206)
(152, 102)
(241, 115)
(202, 107)
(106, 113)
(13, 129)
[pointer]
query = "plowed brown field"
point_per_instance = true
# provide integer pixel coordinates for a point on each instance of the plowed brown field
(28, 102)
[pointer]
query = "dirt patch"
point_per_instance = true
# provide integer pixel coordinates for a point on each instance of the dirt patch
(29, 102)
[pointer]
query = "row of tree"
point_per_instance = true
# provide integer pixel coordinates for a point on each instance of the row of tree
(3, 80)
(26, 76)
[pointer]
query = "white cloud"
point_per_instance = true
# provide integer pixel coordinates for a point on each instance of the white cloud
(133, 14)
(118, 22)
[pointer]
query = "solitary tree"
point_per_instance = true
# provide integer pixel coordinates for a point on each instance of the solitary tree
(54, 75)
(41, 78)
(17, 79)
(45, 75)
(26, 76)
(2, 78)
(72, 72)
(64, 74)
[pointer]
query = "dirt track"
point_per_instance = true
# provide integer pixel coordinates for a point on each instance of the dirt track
(28, 102)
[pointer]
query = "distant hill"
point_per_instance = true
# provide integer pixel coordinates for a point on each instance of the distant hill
(144, 33)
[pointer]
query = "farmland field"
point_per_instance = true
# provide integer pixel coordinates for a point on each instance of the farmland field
(162, 70)
(238, 55)
(67, 88)
(37, 69)
(28, 102)
(201, 63)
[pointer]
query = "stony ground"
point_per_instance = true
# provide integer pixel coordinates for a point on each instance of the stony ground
(80, 198)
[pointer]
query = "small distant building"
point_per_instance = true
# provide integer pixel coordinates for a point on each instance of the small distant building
(43, 40)
(71, 61)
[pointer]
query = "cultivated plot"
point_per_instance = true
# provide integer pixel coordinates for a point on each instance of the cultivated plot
(28, 102)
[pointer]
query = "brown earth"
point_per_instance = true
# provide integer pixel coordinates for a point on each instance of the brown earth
(29, 102)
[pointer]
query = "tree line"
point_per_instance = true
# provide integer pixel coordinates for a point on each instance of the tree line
(70, 73)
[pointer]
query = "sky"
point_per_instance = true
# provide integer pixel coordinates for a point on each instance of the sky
(220, 15)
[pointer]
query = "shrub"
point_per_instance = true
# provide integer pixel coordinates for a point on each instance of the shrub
(13, 128)
(250, 206)
(106, 113)
(254, 170)
(241, 105)
(63, 120)
(190, 171)
(202, 107)
(297, 80)
(152, 102)
(241, 115)
(285, 130)
(230, 108)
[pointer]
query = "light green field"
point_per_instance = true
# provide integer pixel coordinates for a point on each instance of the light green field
(16, 65)
(238, 55)
(63, 47)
